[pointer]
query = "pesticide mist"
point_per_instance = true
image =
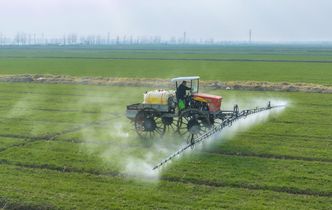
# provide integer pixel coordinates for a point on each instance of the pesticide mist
(118, 146)
(109, 136)
(250, 121)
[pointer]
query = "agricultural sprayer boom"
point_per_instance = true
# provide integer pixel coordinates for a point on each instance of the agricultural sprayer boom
(186, 112)
(227, 122)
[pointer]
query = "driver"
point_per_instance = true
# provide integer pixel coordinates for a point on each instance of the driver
(181, 93)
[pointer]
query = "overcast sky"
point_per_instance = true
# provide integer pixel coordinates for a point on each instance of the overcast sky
(270, 20)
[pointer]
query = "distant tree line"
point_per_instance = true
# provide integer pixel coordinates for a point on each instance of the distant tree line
(22, 39)
(73, 39)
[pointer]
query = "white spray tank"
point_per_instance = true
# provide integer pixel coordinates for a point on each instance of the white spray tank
(158, 97)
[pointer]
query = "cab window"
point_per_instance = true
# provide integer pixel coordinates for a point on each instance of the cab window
(194, 86)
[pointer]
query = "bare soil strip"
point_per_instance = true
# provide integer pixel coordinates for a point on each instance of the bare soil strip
(162, 83)
(77, 128)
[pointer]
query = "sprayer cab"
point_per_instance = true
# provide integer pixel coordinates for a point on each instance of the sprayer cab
(192, 82)
(198, 100)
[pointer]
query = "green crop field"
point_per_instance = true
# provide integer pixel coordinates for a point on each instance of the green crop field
(275, 64)
(66, 146)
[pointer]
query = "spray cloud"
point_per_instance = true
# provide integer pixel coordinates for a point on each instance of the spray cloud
(123, 151)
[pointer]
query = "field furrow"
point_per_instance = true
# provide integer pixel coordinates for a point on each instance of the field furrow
(269, 156)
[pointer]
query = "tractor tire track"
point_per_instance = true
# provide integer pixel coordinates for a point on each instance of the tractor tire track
(23, 137)
(93, 142)
(279, 189)
(77, 128)
(304, 137)
(6, 203)
(224, 153)
(289, 190)
(300, 123)
(50, 137)
(116, 114)
(64, 169)
(14, 145)
(27, 121)
(44, 93)
(268, 156)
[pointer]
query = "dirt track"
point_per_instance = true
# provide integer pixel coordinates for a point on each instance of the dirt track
(162, 83)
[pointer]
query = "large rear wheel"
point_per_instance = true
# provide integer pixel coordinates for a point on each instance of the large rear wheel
(148, 124)
(170, 124)
(191, 124)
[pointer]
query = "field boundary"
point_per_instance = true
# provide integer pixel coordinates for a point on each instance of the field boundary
(172, 59)
(163, 83)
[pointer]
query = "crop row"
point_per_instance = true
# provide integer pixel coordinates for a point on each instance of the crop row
(253, 71)
(291, 189)
(164, 62)
(270, 51)
(116, 192)
(282, 159)
(305, 176)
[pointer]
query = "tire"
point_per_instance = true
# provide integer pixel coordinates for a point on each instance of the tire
(192, 123)
(148, 124)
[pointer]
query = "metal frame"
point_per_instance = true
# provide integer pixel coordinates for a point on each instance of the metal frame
(192, 78)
